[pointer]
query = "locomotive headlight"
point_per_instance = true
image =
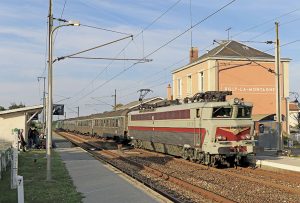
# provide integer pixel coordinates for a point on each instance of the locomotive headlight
(246, 137)
(236, 101)
(221, 138)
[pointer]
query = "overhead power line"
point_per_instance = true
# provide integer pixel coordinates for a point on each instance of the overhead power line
(292, 42)
(159, 17)
(104, 29)
(61, 15)
(105, 58)
(273, 27)
(156, 50)
(125, 47)
(90, 49)
(265, 22)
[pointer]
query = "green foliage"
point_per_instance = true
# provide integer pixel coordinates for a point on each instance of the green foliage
(119, 105)
(16, 106)
(2, 108)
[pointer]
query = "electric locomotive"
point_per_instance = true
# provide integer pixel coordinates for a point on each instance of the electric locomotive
(205, 128)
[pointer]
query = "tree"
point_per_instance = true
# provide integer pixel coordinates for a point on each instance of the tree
(2, 108)
(119, 105)
(16, 106)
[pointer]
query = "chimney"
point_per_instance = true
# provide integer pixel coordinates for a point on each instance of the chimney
(169, 93)
(193, 54)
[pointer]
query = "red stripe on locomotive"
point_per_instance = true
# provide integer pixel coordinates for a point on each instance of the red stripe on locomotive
(233, 134)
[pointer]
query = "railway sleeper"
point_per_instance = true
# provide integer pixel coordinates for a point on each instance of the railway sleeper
(194, 154)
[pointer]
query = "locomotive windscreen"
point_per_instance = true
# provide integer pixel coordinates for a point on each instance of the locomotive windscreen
(244, 112)
(222, 112)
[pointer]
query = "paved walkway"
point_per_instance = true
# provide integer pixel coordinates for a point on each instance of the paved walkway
(96, 181)
(269, 158)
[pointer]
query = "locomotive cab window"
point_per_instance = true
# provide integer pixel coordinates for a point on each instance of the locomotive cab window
(222, 112)
(244, 112)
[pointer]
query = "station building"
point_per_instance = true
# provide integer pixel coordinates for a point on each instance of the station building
(17, 118)
(233, 66)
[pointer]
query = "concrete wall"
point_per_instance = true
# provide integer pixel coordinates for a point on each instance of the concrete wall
(9, 122)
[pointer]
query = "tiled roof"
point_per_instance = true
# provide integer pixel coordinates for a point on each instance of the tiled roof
(235, 49)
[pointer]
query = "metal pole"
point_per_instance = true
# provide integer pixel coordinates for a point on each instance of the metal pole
(44, 104)
(115, 95)
(49, 112)
(278, 106)
(77, 111)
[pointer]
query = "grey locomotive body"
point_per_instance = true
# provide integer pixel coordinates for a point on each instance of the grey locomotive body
(208, 132)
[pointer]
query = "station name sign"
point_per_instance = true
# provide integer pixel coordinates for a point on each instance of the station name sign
(245, 89)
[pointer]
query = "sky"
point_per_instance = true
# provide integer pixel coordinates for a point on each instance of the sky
(90, 84)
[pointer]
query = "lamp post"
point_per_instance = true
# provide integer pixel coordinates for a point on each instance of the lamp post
(50, 80)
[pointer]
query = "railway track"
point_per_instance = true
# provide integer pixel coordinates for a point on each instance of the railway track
(287, 181)
(229, 184)
(111, 156)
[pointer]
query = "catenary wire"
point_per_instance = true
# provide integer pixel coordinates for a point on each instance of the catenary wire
(265, 22)
(156, 50)
(125, 47)
(61, 15)
(104, 29)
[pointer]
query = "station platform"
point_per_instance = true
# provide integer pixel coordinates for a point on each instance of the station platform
(99, 182)
(270, 159)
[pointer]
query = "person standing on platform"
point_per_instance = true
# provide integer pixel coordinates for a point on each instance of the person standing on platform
(21, 138)
(30, 137)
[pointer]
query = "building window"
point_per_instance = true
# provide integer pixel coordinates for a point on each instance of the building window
(201, 82)
(179, 88)
(189, 85)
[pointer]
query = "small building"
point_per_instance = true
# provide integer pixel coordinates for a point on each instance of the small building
(17, 118)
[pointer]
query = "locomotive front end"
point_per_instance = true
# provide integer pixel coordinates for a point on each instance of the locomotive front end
(232, 143)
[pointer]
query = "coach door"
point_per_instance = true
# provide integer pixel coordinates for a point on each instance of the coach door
(197, 129)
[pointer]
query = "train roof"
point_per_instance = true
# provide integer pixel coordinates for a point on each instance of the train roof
(101, 115)
(193, 105)
(135, 104)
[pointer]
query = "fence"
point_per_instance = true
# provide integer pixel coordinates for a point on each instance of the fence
(5, 156)
(9, 156)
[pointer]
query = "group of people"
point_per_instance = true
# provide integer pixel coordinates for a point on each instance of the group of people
(33, 139)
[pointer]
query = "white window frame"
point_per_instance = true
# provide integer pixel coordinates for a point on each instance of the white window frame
(179, 88)
(189, 85)
(201, 81)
